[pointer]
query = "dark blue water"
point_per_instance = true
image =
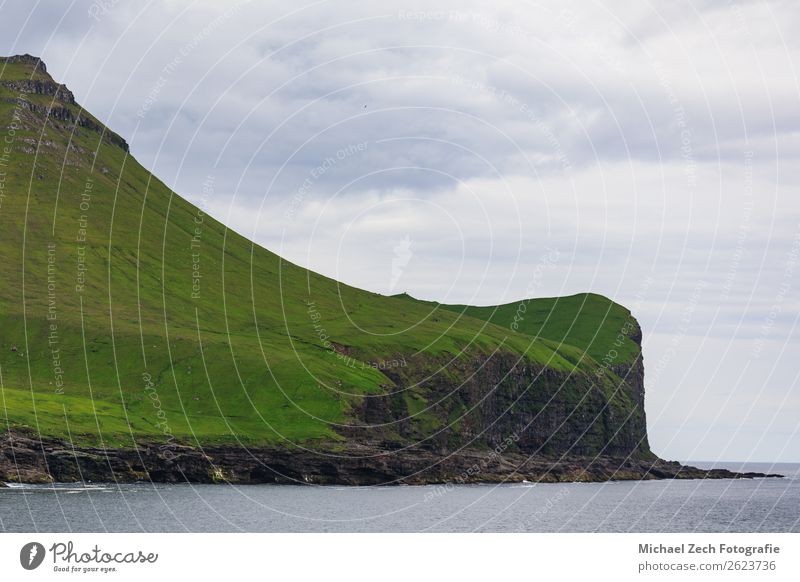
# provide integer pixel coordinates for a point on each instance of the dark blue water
(760, 505)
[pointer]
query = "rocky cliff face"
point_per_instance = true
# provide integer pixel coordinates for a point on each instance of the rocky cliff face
(502, 400)
(36, 87)
(27, 458)
(632, 375)
(41, 95)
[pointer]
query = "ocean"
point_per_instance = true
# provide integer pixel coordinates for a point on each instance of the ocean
(757, 505)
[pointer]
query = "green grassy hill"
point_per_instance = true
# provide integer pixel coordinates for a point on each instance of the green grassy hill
(605, 330)
(128, 315)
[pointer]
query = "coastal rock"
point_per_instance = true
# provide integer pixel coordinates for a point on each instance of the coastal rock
(30, 460)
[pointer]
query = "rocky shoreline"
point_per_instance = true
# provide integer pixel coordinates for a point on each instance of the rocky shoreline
(26, 459)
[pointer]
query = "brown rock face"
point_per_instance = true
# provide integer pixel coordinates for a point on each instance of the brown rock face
(502, 400)
(26, 459)
(58, 107)
(35, 87)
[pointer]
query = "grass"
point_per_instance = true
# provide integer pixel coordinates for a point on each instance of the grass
(591, 322)
(97, 262)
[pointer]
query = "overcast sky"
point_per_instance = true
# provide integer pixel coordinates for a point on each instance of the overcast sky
(469, 154)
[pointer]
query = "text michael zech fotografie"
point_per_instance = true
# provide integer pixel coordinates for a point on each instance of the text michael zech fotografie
(724, 549)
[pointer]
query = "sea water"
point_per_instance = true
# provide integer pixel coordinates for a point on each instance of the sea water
(728, 505)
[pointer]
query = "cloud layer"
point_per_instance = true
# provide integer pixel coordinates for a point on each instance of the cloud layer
(652, 149)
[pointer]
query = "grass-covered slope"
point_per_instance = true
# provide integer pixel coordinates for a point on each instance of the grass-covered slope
(128, 315)
(605, 330)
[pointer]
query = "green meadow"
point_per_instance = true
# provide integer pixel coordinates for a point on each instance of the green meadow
(128, 314)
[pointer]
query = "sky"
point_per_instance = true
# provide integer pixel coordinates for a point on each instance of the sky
(481, 154)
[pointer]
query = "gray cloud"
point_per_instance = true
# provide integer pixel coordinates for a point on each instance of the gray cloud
(636, 142)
